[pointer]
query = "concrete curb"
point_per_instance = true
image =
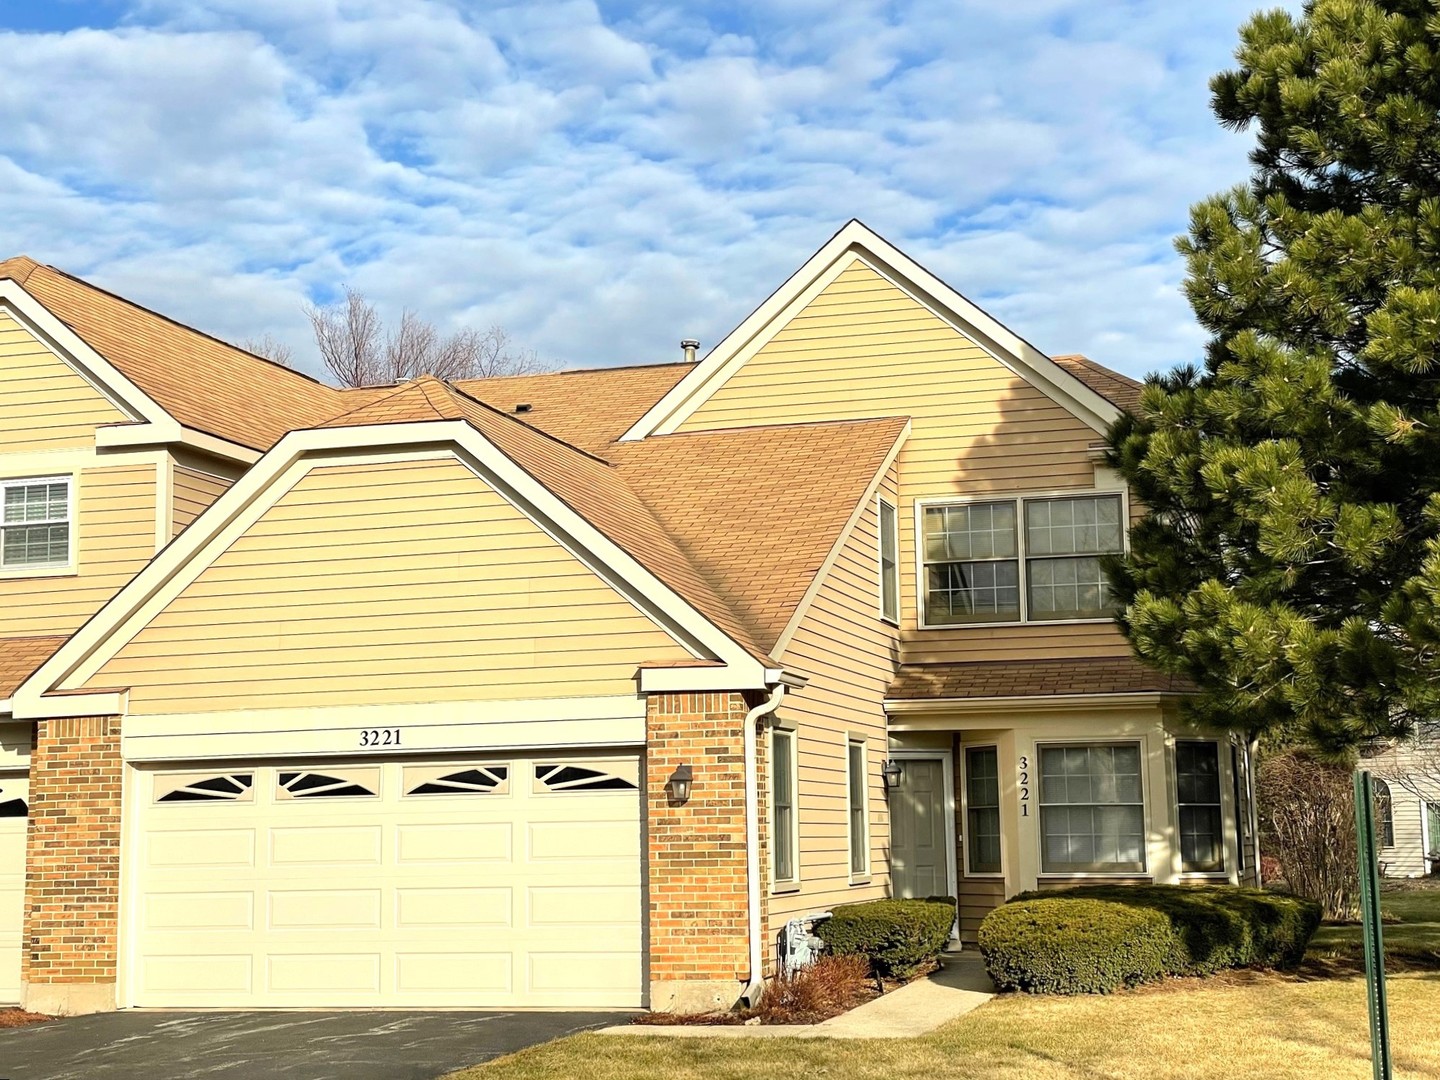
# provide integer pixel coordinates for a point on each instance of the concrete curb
(961, 986)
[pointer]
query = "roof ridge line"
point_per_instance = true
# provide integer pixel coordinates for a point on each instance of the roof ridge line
(186, 326)
(852, 421)
(527, 426)
(394, 390)
(584, 371)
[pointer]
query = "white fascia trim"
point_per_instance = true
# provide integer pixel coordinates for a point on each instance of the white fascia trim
(856, 240)
(124, 436)
(823, 574)
(68, 345)
(1029, 703)
(97, 703)
(182, 561)
(7, 706)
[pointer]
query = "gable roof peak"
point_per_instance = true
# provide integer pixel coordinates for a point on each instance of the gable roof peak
(18, 268)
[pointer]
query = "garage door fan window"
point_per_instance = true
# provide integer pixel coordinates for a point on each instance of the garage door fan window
(12, 805)
(204, 787)
(579, 778)
(476, 780)
(317, 785)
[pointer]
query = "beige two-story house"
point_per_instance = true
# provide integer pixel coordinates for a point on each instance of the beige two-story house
(560, 690)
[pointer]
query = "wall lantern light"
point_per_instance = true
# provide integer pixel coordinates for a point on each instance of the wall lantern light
(891, 775)
(679, 784)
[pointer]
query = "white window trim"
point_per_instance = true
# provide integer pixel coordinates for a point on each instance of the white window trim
(858, 877)
(881, 501)
(66, 569)
(964, 795)
(1228, 815)
(792, 883)
(1019, 499)
(1075, 875)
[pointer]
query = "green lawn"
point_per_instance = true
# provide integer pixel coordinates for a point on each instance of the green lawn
(1255, 1025)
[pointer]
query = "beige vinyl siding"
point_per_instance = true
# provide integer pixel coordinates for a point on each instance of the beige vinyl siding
(848, 652)
(116, 532)
(382, 584)
(865, 348)
(44, 403)
(194, 491)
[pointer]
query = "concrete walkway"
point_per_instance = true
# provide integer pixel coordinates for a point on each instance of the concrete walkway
(917, 1008)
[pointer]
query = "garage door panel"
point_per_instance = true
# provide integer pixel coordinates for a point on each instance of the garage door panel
(463, 974)
(15, 794)
(325, 909)
(452, 843)
(326, 845)
(457, 908)
(190, 848)
(429, 893)
(201, 978)
(199, 911)
(337, 975)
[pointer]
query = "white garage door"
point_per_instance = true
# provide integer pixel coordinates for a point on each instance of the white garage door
(487, 882)
(14, 795)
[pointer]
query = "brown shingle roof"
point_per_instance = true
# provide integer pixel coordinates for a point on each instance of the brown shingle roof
(722, 496)
(1120, 390)
(1031, 678)
(589, 409)
(201, 381)
(20, 656)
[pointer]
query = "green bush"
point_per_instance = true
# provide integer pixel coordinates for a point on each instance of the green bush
(898, 937)
(1097, 938)
(1073, 947)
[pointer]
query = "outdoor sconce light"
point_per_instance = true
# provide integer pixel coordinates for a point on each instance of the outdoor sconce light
(891, 775)
(679, 784)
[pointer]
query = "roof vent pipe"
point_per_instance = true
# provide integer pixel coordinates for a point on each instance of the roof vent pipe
(688, 346)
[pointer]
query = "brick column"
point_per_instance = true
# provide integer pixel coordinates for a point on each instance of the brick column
(72, 867)
(699, 921)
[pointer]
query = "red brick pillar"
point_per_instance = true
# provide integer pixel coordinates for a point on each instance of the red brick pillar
(699, 919)
(72, 867)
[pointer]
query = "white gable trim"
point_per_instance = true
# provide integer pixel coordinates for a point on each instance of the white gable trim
(104, 376)
(175, 568)
(856, 241)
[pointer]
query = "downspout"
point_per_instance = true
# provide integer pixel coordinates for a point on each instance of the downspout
(752, 837)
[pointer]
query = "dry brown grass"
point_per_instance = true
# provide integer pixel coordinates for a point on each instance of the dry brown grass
(1261, 1027)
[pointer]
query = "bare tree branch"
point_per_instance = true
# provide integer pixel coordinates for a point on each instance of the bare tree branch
(357, 352)
(268, 346)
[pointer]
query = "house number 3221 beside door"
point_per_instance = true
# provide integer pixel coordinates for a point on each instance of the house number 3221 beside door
(1024, 786)
(385, 736)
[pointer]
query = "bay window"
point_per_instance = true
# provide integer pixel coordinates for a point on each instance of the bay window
(1197, 793)
(982, 810)
(1092, 811)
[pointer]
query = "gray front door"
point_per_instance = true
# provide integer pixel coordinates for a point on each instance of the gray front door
(919, 863)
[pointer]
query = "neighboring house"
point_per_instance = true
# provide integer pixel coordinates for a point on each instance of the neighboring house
(560, 690)
(1407, 795)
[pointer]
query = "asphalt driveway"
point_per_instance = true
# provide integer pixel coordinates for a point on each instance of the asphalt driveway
(364, 1045)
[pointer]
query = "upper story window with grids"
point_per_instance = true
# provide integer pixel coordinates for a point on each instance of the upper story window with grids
(1019, 560)
(35, 523)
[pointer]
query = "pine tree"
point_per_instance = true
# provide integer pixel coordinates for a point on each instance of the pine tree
(1289, 563)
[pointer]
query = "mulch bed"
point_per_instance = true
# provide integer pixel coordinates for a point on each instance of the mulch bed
(839, 995)
(14, 1018)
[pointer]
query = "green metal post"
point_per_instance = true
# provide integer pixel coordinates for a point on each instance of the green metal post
(1370, 928)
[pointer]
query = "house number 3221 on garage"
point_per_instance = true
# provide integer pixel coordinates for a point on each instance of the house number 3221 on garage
(385, 736)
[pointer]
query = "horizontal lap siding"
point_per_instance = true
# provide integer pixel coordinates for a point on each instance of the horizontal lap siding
(116, 530)
(194, 492)
(383, 584)
(44, 403)
(848, 653)
(864, 348)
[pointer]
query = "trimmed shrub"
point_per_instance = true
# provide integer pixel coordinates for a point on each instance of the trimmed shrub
(898, 937)
(1097, 938)
(1073, 947)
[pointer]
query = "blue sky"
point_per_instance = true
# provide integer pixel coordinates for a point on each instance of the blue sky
(606, 179)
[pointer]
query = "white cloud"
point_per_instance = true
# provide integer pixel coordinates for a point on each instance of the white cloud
(604, 183)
